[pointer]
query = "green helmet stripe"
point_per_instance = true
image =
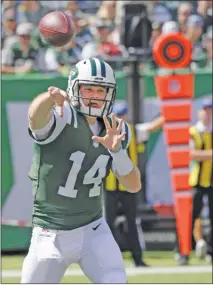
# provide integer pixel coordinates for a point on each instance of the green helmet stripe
(103, 68)
(93, 67)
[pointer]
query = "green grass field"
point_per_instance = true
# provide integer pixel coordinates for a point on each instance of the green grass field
(163, 270)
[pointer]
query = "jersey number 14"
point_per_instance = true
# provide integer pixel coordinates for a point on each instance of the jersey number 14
(89, 178)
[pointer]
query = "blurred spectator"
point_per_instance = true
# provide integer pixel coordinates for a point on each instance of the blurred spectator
(114, 36)
(21, 56)
(194, 30)
(204, 9)
(156, 32)
(73, 8)
(8, 4)
(116, 194)
(173, 7)
(30, 11)
(60, 59)
(89, 7)
(107, 11)
(159, 12)
(170, 27)
(8, 34)
(106, 31)
(83, 33)
(149, 64)
(207, 44)
(184, 11)
(201, 168)
(54, 5)
(101, 46)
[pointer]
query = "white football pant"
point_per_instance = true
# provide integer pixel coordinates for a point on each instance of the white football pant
(92, 247)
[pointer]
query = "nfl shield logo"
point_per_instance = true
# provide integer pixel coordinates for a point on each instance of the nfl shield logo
(174, 86)
(95, 144)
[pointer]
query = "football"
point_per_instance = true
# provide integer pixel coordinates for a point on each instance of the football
(57, 28)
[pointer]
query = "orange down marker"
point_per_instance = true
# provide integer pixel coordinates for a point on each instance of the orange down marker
(174, 51)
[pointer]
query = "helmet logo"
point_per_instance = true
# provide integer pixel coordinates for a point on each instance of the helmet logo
(74, 73)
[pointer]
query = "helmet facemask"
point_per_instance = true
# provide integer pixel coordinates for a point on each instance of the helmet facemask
(78, 104)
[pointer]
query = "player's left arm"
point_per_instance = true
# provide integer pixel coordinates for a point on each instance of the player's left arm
(117, 140)
(127, 173)
(131, 181)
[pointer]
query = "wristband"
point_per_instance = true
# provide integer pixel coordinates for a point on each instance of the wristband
(122, 162)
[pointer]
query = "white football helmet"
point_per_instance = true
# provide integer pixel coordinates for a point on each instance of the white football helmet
(96, 72)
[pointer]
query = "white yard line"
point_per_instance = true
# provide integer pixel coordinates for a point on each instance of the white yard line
(130, 271)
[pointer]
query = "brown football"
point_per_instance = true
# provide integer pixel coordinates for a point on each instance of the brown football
(57, 28)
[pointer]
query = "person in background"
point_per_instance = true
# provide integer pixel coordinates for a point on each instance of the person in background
(201, 174)
(21, 56)
(59, 59)
(170, 27)
(204, 9)
(89, 7)
(207, 44)
(107, 10)
(101, 46)
(205, 61)
(159, 12)
(150, 64)
(184, 11)
(72, 7)
(194, 30)
(116, 193)
(83, 35)
(30, 11)
(8, 4)
(8, 35)
(54, 5)
(156, 32)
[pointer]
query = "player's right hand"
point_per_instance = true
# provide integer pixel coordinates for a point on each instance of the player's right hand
(59, 96)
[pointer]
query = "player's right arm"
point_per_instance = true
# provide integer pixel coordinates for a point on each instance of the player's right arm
(48, 114)
(40, 110)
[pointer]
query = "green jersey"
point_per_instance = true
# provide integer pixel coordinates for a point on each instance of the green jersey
(67, 173)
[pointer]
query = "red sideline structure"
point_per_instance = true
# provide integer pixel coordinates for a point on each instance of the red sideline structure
(16, 223)
(175, 91)
(176, 109)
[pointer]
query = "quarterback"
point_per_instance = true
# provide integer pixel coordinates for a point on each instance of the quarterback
(77, 140)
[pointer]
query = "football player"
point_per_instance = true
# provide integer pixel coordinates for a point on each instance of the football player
(76, 142)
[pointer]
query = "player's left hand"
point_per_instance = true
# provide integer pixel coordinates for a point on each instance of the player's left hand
(113, 137)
